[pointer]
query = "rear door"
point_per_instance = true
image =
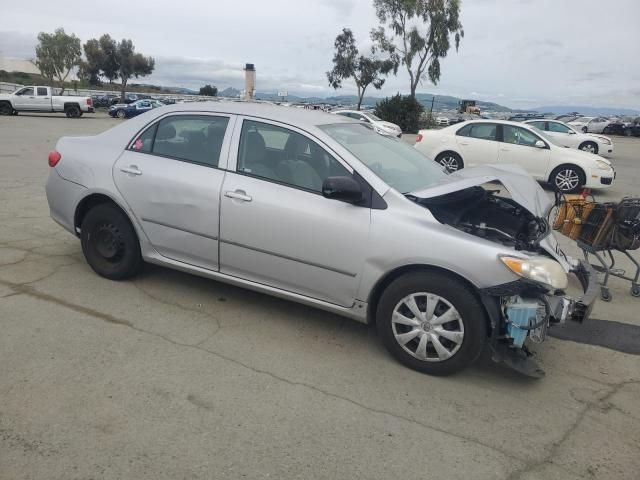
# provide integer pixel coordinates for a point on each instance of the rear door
(478, 143)
(277, 229)
(170, 176)
(517, 147)
(42, 99)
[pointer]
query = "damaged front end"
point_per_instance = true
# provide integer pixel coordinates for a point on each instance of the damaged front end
(523, 310)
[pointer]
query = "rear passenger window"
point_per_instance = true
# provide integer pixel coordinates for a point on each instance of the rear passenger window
(285, 156)
(483, 131)
(42, 91)
(192, 138)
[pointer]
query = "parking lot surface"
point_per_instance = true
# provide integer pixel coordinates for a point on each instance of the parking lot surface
(178, 377)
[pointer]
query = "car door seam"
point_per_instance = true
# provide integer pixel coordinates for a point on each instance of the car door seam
(192, 232)
(287, 257)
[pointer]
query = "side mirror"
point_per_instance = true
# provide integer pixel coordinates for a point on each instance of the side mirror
(345, 189)
(540, 144)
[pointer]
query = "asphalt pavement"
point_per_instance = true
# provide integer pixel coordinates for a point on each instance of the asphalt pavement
(172, 376)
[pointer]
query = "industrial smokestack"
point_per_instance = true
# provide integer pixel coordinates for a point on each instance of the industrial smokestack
(249, 81)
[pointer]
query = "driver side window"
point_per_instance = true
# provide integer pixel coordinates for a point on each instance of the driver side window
(282, 155)
(518, 136)
(558, 128)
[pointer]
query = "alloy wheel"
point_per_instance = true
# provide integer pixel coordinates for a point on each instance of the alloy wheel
(428, 327)
(450, 163)
(567, 180)
(589, 148)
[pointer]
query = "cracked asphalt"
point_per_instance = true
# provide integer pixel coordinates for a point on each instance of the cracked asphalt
(171, 376)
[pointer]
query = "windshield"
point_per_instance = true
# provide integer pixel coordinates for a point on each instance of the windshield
(399, 165)
(371, 116)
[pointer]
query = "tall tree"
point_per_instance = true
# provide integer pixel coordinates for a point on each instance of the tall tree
(364, 70)
(420, 32)
(91, 68)
(209, 90)
(110, 64)
(57, 54)
(131, 64)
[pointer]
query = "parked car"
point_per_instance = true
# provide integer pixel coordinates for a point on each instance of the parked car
(589, 124)
(122, 110)
(42, 99)
(627, 126)
(320, 209)
(379, 125)
(483, 142)
(566, 136)
(442, 121)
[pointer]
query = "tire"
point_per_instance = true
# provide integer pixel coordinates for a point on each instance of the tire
(440, 355)
(6, 108)
(567, 179)
(14, 113)
(585, 129)
(589, 147)
(110, 243)
(72, 111)
(451, 161)
(121, 114)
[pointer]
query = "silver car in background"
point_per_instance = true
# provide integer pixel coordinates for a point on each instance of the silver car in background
(320, 209)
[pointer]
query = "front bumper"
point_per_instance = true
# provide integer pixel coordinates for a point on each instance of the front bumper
(507, 336)
(600, 178)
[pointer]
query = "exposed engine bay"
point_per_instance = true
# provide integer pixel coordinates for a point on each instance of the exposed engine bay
(486, 214)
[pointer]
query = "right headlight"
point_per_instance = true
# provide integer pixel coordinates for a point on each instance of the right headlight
(603, 165)
(539, 269)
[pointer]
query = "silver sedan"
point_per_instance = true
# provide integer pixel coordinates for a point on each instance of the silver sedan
(319, 209)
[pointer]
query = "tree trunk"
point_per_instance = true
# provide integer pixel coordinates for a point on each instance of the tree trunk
(61, 87)
(360, 97)
(123, 90)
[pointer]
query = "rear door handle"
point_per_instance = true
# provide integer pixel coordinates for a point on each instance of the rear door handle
(238, 195)
(132, 169)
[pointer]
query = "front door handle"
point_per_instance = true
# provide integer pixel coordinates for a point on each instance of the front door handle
(464, 143)
(238, 195)
(132, 169)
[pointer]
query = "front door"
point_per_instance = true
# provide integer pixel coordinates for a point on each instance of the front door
(170, 176)
(518, 148)
(24, 99)
(562, 134)
(277, 229)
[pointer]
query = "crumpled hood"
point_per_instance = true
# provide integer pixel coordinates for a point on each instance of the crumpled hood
(522, 188)
(519, 184)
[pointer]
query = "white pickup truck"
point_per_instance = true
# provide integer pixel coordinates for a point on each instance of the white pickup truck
(41, 99)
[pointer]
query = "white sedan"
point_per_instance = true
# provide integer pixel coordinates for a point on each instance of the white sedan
(481, 142)
(380, 126)
(567, 136)
(589, 124)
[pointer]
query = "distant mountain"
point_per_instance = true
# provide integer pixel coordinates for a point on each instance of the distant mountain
(229, 92)
(589, 111)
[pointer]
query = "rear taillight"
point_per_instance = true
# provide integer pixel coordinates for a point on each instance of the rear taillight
(89, 101)
(54, 158)
(419, 138)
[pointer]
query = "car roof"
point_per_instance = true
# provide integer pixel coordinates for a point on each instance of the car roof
(296, 116)
(488, 120)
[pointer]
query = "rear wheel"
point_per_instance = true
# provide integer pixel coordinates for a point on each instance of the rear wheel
(431, 322)
(6, 108)
(451, 161)
(110, 243)
(567, 179)
(72, 111)
(589, 147)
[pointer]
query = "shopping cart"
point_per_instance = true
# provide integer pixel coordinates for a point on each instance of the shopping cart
(601, 229)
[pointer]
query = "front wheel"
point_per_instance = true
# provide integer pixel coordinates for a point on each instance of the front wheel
(567, 179)
(452, 162)
(432, 322)
(589, 147)
(6, 109)
(110, 243)
(120, 114)
(585, 129)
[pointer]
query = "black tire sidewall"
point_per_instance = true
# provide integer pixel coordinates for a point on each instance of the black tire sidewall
(131, 261)
(460, 295)
(6, 109)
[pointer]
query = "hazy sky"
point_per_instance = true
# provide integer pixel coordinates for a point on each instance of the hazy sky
(521, 53)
